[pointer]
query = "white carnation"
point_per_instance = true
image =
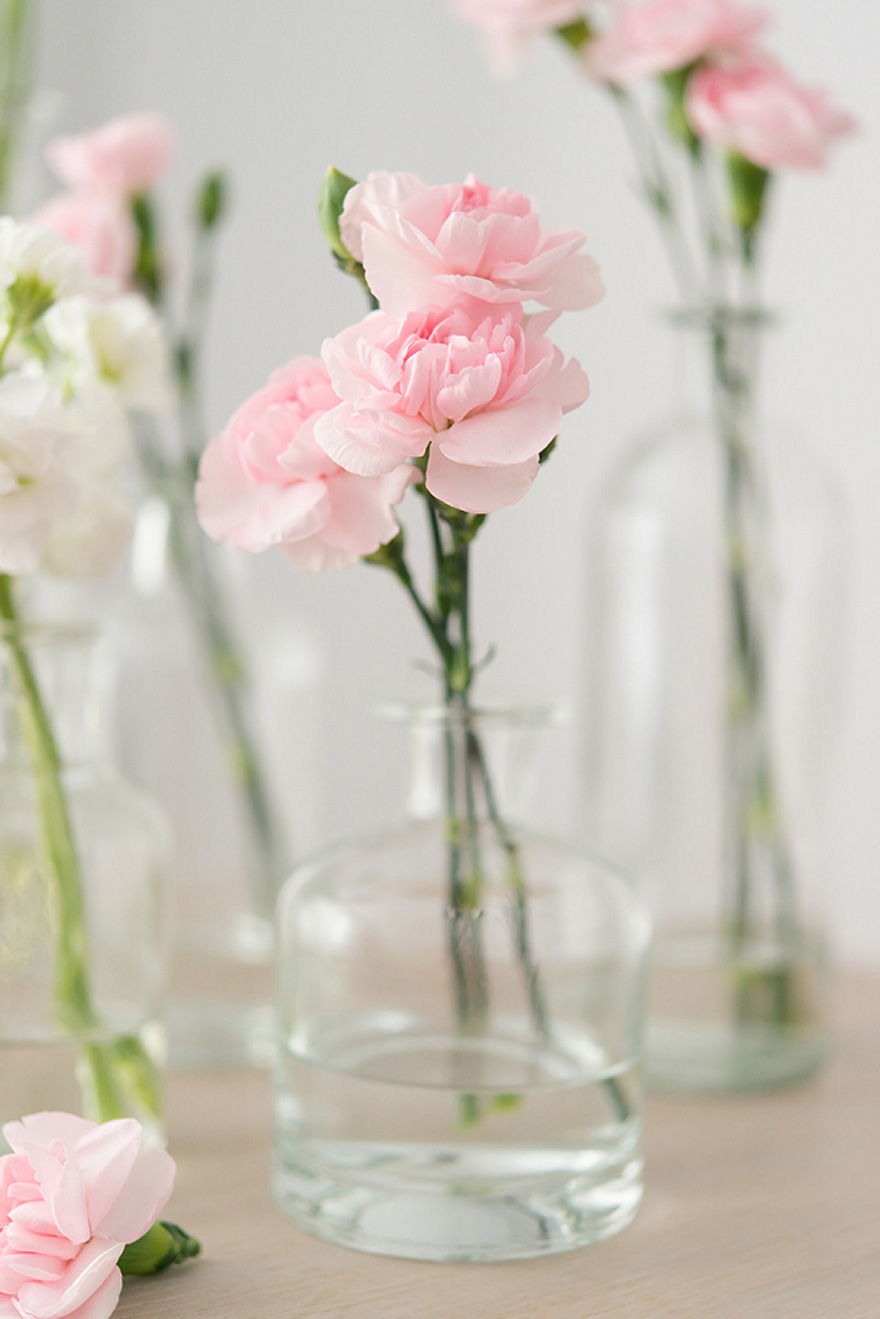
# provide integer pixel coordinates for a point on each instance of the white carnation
(91, 541)
(35, 490)
(38, 256)
(118, 344)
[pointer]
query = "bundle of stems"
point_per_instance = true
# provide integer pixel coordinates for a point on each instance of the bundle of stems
(710, 208)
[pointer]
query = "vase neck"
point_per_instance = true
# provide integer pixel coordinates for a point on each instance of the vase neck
(718, 363)
(69, 668)
(472, 764)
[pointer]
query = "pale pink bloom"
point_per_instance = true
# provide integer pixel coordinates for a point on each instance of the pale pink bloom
(757, 109)
(73, 1193)
(510, 25)
(265, 481)
(432, 246)
(478, 391)
(658, 36)
(125, 156)
(99, 224)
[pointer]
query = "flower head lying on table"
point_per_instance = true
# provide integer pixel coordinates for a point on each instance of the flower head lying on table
(79, 1203)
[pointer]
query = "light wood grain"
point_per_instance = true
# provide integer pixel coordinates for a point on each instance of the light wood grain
(764, 1207)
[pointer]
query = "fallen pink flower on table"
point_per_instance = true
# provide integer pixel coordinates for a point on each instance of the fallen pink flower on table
(73, 1194)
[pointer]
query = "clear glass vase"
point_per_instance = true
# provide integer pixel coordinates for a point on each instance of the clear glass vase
(82, 856)
(220, 734)
(718, 587)
(460, 1003)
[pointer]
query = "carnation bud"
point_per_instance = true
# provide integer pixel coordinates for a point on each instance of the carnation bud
(211, 200)
(165, 1244)
(331, 199)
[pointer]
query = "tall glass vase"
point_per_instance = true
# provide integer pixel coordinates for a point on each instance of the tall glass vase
(82, 916)
(459, 1008)
(718, 588)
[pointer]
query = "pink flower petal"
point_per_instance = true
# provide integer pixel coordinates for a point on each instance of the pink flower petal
(503, 436)
(478, 489)
(360, 511)
(368, 448)
(83, 1277)
(101, 1303)
(106, 1157)
(141, 1199)
(399, 277)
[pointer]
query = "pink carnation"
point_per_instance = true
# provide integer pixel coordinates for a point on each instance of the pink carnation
(658, 36)
(756, 109)
(72, 1194)
(125, 156)
(510, 25)
(99, 224)
(477, 390)
(265, 481)
(427, 246)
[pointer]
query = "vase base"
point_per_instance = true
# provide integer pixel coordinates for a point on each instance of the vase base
(713, 1057)
(468, 1226)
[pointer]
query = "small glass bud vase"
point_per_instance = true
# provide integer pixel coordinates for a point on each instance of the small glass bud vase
(81, 917)
(460, 1003)
(718, 591)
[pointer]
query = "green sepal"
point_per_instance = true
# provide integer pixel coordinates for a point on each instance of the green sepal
(211, 200)
(748, 194)
(547, 450)
(148, 269)
(389, 555)
(165, 1244)
(334, 189)
(576, 34)
(677, 121)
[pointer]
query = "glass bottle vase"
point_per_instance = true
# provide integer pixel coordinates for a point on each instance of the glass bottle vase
(460, 1003)
(718, 585)
(82, 854)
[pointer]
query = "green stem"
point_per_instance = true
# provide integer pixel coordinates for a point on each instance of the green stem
(660, 195)
(16, 69)
(111, 1073)
(756, 835)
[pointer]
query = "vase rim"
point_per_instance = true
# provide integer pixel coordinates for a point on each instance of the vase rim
(722, 313)
(438, 714)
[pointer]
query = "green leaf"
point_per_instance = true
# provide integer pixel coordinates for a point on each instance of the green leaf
(331, 199)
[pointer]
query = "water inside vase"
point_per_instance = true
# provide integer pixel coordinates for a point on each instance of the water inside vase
(396, 1139)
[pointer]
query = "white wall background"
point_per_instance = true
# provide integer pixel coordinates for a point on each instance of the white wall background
(275, 90)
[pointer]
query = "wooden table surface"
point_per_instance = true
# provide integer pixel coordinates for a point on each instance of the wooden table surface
(755, 1206)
